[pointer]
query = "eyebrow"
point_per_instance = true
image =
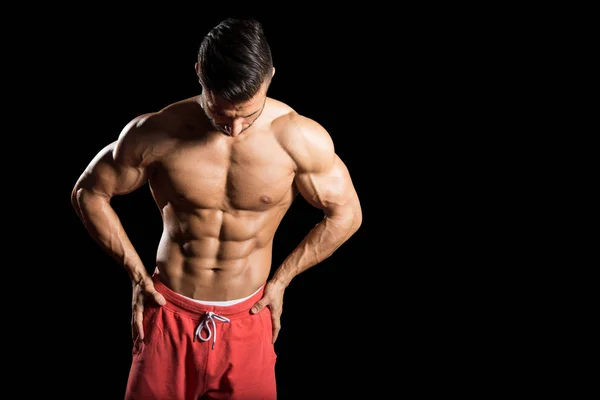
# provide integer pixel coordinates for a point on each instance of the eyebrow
(249, 115)
(245, 116)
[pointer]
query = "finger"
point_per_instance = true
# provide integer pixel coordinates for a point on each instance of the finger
(276, 329)
(149, 289)
(276, 321)
(158, 298)
(259, 305)
(138, 321)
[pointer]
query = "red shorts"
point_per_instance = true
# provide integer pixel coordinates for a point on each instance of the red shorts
(192, 351)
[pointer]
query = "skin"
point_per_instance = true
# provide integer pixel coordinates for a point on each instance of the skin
(222, 175)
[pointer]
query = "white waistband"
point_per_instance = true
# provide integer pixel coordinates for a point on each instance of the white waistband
(223, 303)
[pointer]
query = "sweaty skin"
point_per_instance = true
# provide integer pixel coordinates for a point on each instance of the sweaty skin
(221, 195)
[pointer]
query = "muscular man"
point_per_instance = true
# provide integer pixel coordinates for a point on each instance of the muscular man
(223, 168)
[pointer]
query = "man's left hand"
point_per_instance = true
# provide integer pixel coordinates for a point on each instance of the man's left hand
(272, 298)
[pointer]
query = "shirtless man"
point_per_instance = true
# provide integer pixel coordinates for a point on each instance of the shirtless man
(223, 168)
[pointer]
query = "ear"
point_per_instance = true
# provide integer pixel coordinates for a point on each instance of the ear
(197, 69)
(272, 72)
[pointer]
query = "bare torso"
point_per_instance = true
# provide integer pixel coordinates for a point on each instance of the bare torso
(221, 199)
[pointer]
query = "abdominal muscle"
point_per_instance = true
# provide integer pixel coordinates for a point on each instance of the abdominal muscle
(213, 255)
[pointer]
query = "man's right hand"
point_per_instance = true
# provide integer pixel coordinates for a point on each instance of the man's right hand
(142, 290)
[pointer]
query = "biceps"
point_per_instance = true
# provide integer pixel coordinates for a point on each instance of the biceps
(331, 190)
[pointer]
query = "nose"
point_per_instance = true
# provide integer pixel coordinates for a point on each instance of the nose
(236, 127)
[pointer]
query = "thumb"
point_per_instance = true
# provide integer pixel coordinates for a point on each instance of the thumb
(158, 298)
(259, 305)
(148, 286)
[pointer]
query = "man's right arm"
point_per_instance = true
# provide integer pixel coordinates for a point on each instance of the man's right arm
(119, 168)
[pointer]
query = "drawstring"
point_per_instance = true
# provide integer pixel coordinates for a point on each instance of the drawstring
(209, 317)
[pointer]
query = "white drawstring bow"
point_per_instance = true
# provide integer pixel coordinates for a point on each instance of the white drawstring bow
(204, 324)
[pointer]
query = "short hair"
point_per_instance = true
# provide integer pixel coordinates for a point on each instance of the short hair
(234, 59)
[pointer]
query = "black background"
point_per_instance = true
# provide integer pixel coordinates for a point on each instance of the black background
(392, 311)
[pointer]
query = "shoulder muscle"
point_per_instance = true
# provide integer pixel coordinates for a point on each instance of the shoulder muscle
(308, 143)
(136, 141)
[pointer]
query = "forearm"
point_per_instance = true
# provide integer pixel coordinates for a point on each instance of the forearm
(320, 243)
(104, 226)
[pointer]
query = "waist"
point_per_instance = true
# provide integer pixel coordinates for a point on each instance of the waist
(193, 308)
(198, 282)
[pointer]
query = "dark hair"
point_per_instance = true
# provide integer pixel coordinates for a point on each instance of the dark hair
(234, 59)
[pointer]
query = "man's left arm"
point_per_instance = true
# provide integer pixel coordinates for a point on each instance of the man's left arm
(324, 181)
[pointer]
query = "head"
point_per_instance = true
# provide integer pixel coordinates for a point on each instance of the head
(234, 68)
